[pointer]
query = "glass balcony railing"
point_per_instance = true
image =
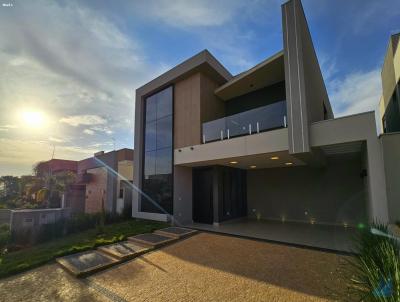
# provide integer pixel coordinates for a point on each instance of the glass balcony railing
(256, 120)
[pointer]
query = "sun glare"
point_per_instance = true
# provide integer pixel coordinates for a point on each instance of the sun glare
(35, 119)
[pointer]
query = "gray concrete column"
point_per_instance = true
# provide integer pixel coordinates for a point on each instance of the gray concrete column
(378, 206)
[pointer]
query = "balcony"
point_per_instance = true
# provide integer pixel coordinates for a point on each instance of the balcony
(256, 120)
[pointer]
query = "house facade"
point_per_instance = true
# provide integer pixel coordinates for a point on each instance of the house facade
(390, 117)
(211, 147)
(105, 181)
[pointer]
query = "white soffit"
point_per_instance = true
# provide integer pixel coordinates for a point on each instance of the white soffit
(268, 72)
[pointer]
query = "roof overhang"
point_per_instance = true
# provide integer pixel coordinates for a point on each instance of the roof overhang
(203, 62)
(268, 72)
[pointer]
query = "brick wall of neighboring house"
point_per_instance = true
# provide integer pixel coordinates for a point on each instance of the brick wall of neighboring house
(75, 198)
(96, 190)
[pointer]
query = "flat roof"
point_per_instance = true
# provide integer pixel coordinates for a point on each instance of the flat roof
(204, 61)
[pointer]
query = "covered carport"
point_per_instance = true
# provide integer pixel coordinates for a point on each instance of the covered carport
(319, 207)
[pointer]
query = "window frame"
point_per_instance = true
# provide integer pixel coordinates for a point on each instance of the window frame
(143, 147)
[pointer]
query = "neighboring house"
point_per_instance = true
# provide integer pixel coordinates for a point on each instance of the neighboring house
(106, 180)
(264, 144)
(54, 166)
(390, 117)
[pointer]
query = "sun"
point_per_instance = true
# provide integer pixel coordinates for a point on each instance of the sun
(34, 119)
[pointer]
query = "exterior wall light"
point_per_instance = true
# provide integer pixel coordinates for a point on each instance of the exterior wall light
(274, 157)
(233, 162)
(253, 167)
(288, 164)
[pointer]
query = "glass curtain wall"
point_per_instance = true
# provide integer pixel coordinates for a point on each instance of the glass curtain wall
(158, 148)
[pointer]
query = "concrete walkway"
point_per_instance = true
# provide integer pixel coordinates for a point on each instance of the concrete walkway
(205, 267)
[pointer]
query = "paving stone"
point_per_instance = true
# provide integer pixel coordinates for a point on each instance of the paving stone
(151, 239)
(176, 232)
(86, 263)
(124, 250)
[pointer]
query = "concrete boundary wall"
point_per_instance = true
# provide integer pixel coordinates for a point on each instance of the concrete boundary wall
(5, 216)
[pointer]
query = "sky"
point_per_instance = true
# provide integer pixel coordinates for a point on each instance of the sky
(69, 69)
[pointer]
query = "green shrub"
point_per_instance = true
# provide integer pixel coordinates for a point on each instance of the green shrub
(51, 231)
(5, 235)
(4, 227)
(376, 269)
(75, 224)
(80, 222)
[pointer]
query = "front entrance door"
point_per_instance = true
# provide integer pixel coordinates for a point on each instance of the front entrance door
(203, 195)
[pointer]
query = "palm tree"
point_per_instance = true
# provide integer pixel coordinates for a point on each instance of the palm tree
(56, 184)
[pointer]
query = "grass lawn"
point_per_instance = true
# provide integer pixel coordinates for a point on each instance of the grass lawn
(34, 256)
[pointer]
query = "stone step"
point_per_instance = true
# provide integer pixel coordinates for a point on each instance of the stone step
(124, 250)
(85, 263)
(152, 239)
(176, 232)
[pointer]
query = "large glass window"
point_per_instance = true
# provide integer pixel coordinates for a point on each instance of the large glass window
(157, 172)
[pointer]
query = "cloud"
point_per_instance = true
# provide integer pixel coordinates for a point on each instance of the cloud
(78, 120)
(225, 27)
(14, 156)
(76, 64)
(182, 13)
(372, 13)
(357, 92)
(88, 131)
(204, 13)
(327, 64)
(57, 139)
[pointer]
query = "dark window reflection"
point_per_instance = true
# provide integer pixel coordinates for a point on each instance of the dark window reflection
(157, 178)
(149, 164)
(164, 103)
(151, 109)
(164, 161)
(164, 133)
(150, 136)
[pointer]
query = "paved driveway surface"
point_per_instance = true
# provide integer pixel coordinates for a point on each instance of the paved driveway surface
(205, 267)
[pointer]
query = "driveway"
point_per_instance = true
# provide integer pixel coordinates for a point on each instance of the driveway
(205, 267)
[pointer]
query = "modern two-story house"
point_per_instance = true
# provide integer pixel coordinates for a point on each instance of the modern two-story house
(212, 148)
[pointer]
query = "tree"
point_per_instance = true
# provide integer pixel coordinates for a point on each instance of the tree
(10, 186)
(58, 185)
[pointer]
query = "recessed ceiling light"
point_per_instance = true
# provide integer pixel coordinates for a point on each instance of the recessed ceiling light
(253, 167)
(233, 162)
(274, 157)
(288, 164)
